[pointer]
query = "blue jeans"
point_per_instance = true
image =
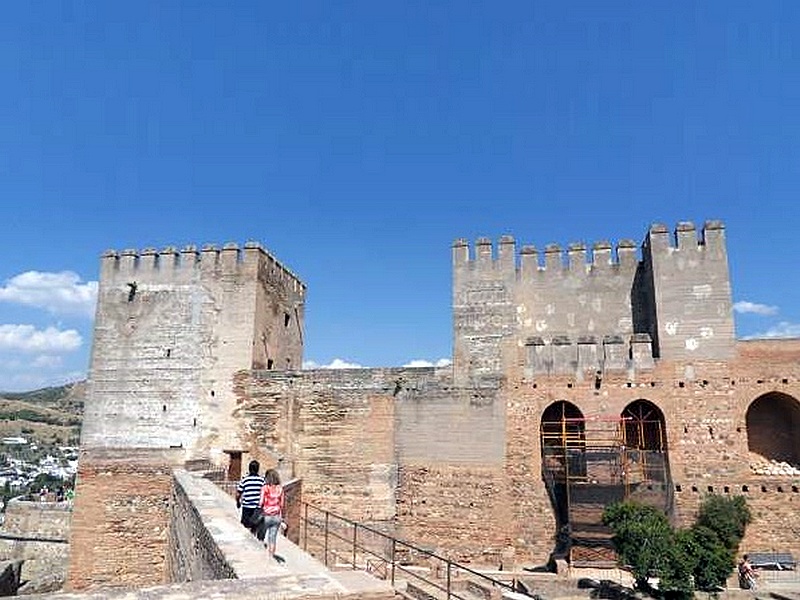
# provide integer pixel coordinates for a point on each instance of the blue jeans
(272, 523)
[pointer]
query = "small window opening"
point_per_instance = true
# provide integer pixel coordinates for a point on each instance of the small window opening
(763, 488)
(132, 286)
(710, 488)
(569, 385)
(694, 488)
(784, 381)
(163, 408)
(727, 489)
(681, 384)
(794, 489)
(780, 488)
(286, 319)
(212, 393)
(745, 488)
(270, 362)
(678, 488)
(169, 352)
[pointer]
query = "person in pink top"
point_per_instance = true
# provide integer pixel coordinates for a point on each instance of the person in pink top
(272, 508)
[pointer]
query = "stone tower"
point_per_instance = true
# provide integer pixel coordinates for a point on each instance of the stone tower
(569, 315)
(171, 330)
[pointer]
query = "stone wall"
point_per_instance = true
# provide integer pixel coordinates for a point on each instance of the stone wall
(459, 470)
(36, 533)
(211, 555)
(192, 553)
(121, 518)
(35, 519)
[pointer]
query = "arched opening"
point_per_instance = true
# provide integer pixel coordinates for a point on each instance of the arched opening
(644, 454)
(773, 429)
(563, 436)
(644, 427)
(563, 442)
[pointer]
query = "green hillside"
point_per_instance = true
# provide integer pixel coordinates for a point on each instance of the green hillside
(47, 417)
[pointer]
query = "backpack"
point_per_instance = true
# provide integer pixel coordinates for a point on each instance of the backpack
(271, 500)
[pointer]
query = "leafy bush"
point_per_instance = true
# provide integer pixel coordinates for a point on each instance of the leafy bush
(727, 517)
(700, 557)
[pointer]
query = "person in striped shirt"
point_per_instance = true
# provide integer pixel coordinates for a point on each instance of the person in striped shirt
(248, 497)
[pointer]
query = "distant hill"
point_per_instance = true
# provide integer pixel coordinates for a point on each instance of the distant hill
(49, 416)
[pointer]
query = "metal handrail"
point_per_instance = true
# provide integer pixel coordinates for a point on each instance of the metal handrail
(323, 530)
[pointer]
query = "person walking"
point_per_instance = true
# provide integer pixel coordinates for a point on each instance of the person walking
(248, 496)
(272, 501)
(747, 575)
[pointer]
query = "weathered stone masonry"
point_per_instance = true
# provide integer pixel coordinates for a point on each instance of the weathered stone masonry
(452, 458)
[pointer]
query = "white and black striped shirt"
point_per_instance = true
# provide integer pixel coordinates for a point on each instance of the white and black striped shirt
(250, 489)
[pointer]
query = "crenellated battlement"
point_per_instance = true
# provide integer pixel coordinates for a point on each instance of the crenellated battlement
(686, 237)
(189, 262)
(576, 258)
(674, 289)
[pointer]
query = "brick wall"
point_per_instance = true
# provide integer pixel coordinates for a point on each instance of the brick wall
(121, 519)
(460, 469)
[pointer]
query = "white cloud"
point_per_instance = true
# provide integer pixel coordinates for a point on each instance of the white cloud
(26, 338)
(58, 293)
(418, 362)
(754, 308)
(784, 329)
(336, 363)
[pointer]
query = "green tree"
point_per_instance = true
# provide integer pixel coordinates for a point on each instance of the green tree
(727, 516)
(709, 560)
(701, 557)
(645, 541)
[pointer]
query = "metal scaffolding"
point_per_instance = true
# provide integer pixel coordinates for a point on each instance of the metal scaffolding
(589, 463)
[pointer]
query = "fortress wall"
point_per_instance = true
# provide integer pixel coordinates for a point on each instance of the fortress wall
(571, 298)
(192, 553)
(45, 563)
(502, 301)
(456, 510)
(38, 534)
(31, 518)
(692, 292)
(121, 518)
(775, 507)
(332, 429)
(373, 444)
(704, 405)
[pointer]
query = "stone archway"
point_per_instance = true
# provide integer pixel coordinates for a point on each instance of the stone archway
(644, 459)
(644, 426)
(563, 440)
(773, 429)
(562, 437)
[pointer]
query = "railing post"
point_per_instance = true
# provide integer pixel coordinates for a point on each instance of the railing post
(394, 544)
(448, 579)
(305, 527)
(325, 550)
(355, 541)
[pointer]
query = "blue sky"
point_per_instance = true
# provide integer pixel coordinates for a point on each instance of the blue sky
(357, 140)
